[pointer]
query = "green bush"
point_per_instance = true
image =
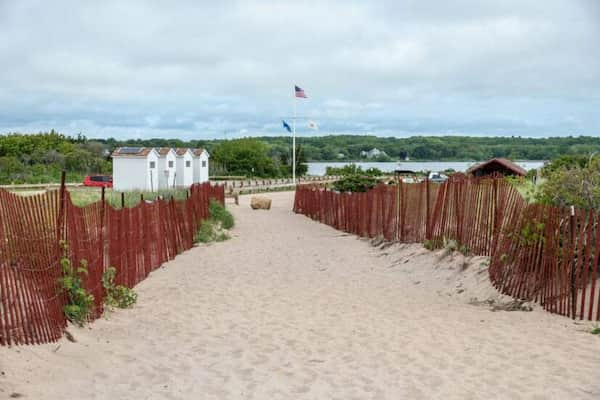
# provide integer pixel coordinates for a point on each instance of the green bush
(117, 296)
(353, 169)
(355, 183)
(429, 244)
(573, 186)
(219, 213)
(206, 233)
(214, 228)
(80, 303)
(210, 231)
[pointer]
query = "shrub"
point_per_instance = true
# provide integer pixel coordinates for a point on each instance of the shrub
(576, 185)
(214, 228)
(355, 183)
(206, 232)
(429, 244)
(117, 296)
(210, 231)
(595, 331)
(353, 169)
(449, 247)
(219, 213)
(464, 250)
(80, 303)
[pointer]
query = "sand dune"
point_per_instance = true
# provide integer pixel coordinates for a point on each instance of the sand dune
(292, 309)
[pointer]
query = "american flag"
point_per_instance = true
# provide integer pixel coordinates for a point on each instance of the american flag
(300, 92)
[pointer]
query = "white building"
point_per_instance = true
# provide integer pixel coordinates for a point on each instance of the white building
(135, 168)
(166, 167)
(374, 152)
(184, 174)
(200, 165)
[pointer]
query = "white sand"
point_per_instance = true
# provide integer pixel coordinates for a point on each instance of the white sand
(292, 309)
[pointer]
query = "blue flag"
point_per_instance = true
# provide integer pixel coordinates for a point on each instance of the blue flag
(286, 126)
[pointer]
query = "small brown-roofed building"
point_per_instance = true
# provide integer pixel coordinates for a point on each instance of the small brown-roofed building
(497, 166)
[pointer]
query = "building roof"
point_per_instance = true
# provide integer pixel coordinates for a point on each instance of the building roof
(163, 151)
(131, 151)
(198, 151)
(502, 162)
(181, 150)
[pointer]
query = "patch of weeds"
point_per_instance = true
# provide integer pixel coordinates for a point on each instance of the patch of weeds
(429, 244)
(117, 295)
(220, 214)
(450, 246)
(595, 330)
(80, 303)
(206, 232)
(222, 236)
(464, 249)
(214, 229)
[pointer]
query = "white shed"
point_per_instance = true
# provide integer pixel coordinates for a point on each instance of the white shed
(184, 175)
(166, 167)
(135, 168)
(200, 165)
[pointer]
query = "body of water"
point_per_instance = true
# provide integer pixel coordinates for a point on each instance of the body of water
(318, 168)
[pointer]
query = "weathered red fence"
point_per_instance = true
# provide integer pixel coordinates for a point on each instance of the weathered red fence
(538, 253)
(133, 240)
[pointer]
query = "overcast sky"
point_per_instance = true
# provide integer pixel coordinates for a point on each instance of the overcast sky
(203, 69)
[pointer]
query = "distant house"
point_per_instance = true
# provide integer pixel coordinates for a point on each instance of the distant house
(184, 175)
(200, 165)
(373, 153)
(135, 168)
(166, 167)
(497, 166)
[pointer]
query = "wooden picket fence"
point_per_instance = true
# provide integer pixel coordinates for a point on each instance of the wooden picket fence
(134, 240)
(537, 252)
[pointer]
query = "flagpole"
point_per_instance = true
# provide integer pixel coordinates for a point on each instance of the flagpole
(294, 141)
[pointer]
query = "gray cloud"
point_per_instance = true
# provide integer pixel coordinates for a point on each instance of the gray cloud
(148, 68)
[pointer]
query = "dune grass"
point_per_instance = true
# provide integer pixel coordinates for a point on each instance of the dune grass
(214, 229)
(84, 196)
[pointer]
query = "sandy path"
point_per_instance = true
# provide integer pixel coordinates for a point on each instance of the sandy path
(292, 309)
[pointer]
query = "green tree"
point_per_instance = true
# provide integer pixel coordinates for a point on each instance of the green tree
(574, 186)
(245, 157)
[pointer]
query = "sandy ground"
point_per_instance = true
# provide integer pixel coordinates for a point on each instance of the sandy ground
(292, 309)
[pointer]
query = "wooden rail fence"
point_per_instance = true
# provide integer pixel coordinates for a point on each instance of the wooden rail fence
(537, 252)
(133, 240)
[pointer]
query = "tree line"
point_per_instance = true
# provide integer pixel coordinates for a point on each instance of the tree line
(39, 158)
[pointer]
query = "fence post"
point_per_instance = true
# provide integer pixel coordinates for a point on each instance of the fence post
(122, 199)
(427, 213)
(495, 218)
(398, 208)
(102, 225)
(573, 264)
(60, 221)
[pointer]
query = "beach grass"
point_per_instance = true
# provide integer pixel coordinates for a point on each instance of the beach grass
(84, 196)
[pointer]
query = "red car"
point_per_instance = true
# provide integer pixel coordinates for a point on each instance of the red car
(98, 181)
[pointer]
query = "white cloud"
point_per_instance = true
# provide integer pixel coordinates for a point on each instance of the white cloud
(148, 68)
